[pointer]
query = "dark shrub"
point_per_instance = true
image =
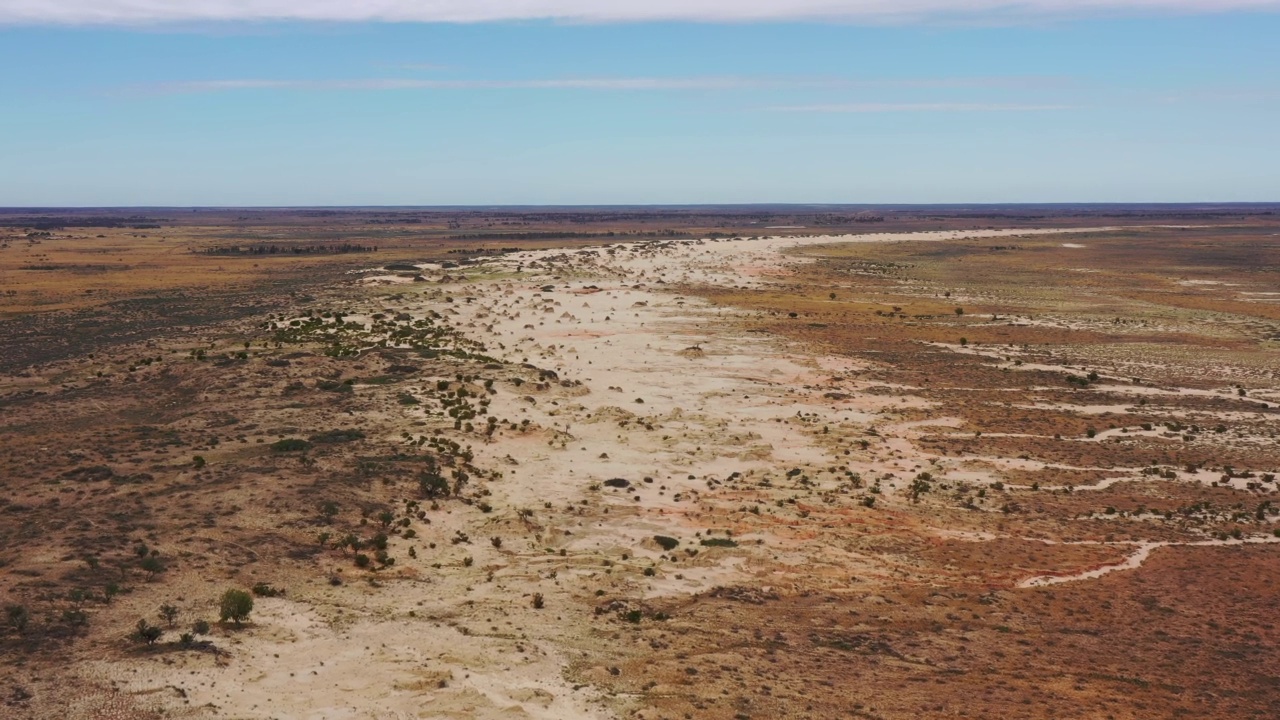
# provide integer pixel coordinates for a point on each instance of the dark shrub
(667, 543)
(290, 445)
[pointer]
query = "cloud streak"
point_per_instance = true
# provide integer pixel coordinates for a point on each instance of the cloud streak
(358, 84)
(604, 84)
(652, 84)
(917, 108)
(142, 12)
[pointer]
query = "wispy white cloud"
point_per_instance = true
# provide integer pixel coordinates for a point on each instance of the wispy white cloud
(917, 108)
(127, 12)
(705, 83)
(649, 84)
(424, 67)
(604, 83)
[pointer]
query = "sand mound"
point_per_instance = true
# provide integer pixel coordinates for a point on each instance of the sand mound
(611, 413)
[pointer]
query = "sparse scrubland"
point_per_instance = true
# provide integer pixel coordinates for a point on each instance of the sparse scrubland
(890, 471)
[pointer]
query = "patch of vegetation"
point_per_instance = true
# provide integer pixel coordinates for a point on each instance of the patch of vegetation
(235, 606)
(290, 445)
(330, 437)
(264, 590)
(667, 543)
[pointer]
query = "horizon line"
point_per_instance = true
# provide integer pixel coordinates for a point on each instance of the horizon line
(464, 206)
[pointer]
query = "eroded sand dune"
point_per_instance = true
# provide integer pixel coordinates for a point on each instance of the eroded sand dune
(637, 383)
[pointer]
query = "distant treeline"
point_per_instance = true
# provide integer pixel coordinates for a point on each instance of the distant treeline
(531, 235)
(863, 217)
(136, 222)
(483, 251)
(288, 249)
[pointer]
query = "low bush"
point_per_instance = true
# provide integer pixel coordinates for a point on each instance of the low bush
(290, 445)
(667, 543)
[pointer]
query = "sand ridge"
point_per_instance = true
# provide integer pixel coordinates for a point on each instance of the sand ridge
(638, 383)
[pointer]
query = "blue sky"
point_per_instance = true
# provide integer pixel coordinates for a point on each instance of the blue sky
(1158, 106)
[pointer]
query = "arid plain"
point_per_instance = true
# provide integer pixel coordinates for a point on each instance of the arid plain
(641, 463)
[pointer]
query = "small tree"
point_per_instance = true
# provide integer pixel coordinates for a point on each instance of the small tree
(169, 613)
(17, 616)
(148, 633)
(152, 565)
(433, 485)
(236, 606)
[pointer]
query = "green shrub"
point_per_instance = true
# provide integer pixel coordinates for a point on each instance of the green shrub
(169, 613)
(17, 616)
(290, 445)
(264, 590)
(433, 485)
(337, 436)
(152, 565)
(235, 606)
(667, 543)
(148, 633)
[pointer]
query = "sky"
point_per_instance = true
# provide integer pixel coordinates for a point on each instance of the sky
(482, 102)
